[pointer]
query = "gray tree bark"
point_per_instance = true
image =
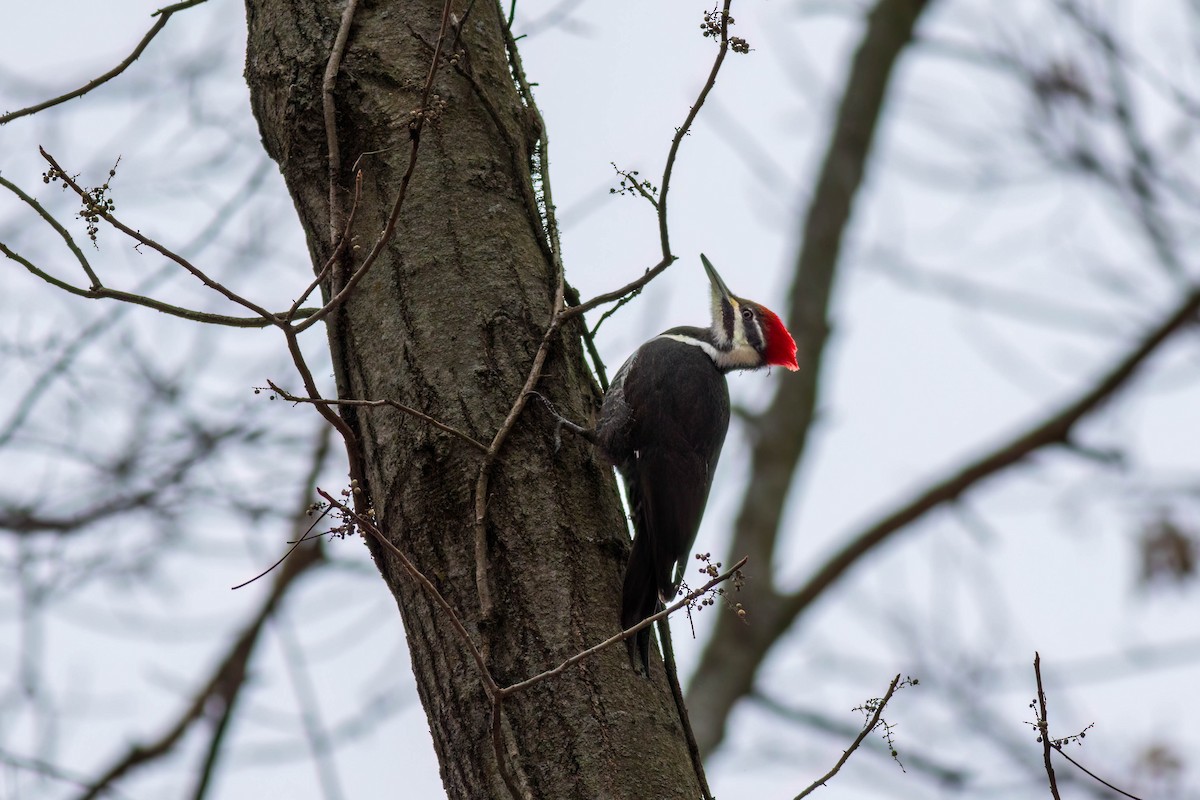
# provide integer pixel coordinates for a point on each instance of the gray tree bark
(449, 321)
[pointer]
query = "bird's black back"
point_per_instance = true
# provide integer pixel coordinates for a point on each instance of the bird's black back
(663, 423)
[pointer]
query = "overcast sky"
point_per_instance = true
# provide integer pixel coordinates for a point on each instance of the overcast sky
(915, 384)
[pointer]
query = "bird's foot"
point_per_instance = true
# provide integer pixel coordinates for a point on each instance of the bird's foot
(562, 422)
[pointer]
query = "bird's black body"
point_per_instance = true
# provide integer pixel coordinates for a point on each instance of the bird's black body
(662, 424)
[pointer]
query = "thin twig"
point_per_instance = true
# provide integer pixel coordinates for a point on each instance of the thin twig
(625, 634)
(132, 298)
(668, 649)
(549, 241)
(617, 306)
(63, 233)
(329, 109)
(947, 775)
(1043, 726)
(660, 204)
(1094, 776)
(617, 294)
(339, 248)
(223, 685)
(870, 726)
(550, 233)
(493, 453)
(686, 128)
(97, 291)
(510, 781)
(353, 450)
(366, 525)
(153, 245)
(1055, 428)
(292, 398)
(389, 228)
(589, 341)
(163, 15)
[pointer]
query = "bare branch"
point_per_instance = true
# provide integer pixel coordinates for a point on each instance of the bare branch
(163, 15)
(329, 109)
(685, 129)
(1094, 776)
(517, 791)
(493, 453)
(97, 291)
(389, 229)
(668, 650)
(224, 684)
(628, 632)
(1055, 429)
(950, 776)
(726, 671)
(104, 214)
(660, 205)
(617, 294)
(1043, 725)
(367, 526)
(339, 248)
(1049, 744)
(870, 726)
(292, 398)
(353, 453)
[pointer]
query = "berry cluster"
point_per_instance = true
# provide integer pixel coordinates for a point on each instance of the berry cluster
(632, 184)
(433, 114)
(97, 204)
(713, 569)
(712, 23)
(1041, 727)
(712, 27)
(345, 522)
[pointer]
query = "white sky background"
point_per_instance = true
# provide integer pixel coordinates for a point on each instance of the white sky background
(915, 384)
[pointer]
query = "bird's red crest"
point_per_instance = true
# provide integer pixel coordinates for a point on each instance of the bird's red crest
(781, 347)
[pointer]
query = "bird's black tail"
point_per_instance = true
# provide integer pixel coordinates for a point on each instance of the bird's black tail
(639, 598)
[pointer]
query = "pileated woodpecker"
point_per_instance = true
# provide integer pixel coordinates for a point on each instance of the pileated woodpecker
(662, 425)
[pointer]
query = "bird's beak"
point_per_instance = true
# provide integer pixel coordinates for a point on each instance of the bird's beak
(720, 290)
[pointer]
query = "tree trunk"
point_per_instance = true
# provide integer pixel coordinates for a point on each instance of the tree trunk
(449, 321)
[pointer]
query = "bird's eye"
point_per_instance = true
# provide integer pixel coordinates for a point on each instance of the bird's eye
(747, 314)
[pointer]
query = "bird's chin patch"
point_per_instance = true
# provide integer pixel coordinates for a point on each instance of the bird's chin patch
(741, 357)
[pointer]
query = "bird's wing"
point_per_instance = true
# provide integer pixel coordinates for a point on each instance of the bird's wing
(615, 426)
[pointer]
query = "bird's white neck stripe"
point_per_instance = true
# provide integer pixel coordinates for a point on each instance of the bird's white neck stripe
(741, 356)
(712, 352)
